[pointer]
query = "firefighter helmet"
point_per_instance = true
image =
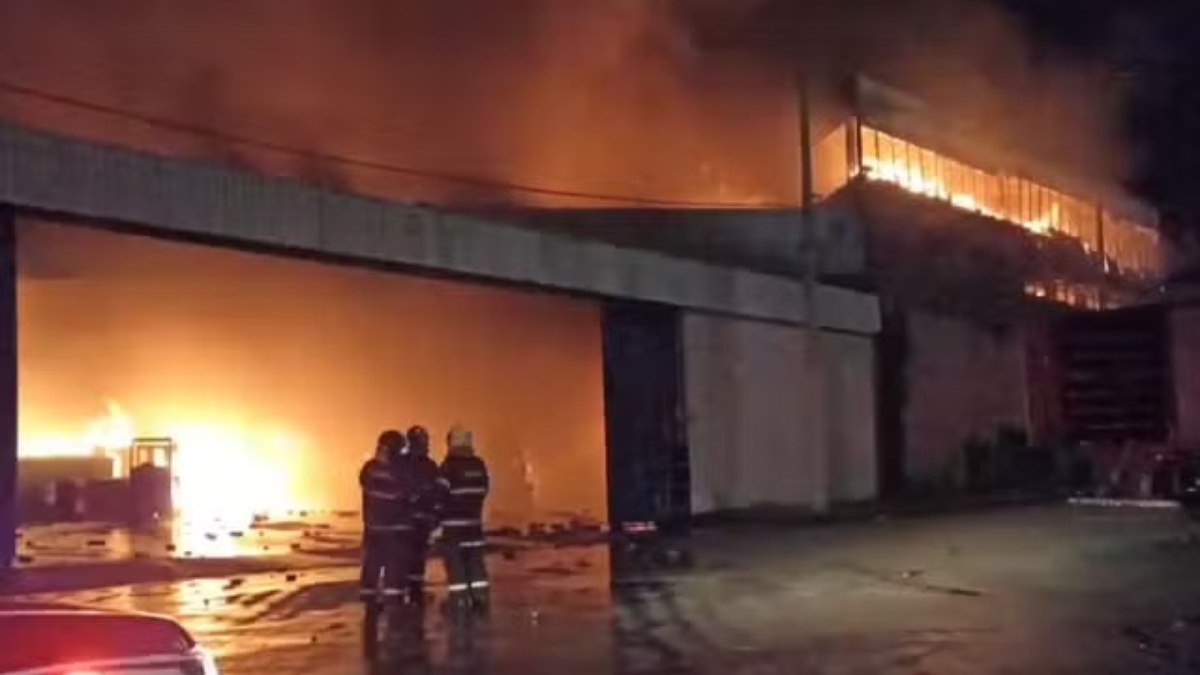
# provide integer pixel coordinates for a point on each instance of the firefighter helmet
(418, 439)
(392, 441)
(460, 437)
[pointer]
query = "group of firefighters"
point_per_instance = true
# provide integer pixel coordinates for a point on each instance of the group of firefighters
(407, 496)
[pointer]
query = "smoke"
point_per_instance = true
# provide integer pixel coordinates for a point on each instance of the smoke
(600, 96)
(970, 59)
(670, 100)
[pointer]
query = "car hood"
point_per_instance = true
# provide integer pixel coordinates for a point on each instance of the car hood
(36, 635)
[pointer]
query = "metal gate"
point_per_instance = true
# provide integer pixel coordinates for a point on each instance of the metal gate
(1115, 375)
(648, 475)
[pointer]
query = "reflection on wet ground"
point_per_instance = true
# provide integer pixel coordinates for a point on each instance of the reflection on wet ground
(1025, 591)
(323, 533)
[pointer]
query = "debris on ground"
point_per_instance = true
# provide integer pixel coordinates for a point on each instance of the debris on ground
(557, 569)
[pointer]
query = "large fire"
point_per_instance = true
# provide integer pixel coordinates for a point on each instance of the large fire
(273, 377)
(225, 469)
(1130, 246)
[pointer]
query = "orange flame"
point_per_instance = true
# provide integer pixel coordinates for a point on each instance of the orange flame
(1132, 247)
(224, 470)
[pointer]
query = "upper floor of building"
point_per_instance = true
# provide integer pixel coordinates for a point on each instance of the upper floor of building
(887, 138)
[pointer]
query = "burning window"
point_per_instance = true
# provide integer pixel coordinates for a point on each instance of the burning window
(1129, 247)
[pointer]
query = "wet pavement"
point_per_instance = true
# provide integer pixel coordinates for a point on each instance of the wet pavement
(313, 533)
(1032, 590)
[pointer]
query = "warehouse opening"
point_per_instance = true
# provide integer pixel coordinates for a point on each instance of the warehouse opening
(260, 382)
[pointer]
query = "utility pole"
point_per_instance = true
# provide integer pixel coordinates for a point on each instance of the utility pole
(814, 413)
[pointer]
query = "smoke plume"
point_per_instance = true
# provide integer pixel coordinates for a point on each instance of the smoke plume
(600, 102)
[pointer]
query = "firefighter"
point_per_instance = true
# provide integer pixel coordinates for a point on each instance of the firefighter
(427, 501)
(382, 578)
(466, 476)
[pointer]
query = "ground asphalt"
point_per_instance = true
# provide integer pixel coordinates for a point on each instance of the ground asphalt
(1020, 590)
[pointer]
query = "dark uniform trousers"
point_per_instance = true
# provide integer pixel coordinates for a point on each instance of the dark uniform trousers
(385, 563)
(427, 507)
(466, 479)
(466, 569)
(417, 545)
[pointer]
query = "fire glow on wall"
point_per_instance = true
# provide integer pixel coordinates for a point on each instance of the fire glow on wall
(273, 377)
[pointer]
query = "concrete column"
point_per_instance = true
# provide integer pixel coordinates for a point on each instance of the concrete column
(8, 388)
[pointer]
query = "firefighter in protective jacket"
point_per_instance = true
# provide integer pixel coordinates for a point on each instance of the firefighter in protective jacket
(466, 476)
(383, 568)
(428, 497)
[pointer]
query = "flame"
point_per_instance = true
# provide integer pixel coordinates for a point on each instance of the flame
(109, 435)
(1132, 247)
(911, 179)
(228, 472)
(224, 470)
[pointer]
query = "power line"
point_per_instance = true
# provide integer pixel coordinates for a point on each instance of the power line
(373, 165)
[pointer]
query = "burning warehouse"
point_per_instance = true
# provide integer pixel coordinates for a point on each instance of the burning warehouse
(987, 263)
(662, 317)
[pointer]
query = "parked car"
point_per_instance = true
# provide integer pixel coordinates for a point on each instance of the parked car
(57, 639)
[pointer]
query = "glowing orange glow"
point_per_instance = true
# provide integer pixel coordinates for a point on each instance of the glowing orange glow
(109, 434)
(273, 406)
(1131, 247)
(1077, 295)
(225, 470)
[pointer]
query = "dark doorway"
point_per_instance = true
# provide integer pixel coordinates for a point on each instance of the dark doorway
(1115, 375)
(648, 476)
(891, 392)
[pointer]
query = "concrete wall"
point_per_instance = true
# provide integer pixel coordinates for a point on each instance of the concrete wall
(182, 198)
(1185, 368)
(752, 444)
(850, 379)
(766, 240)
(962, 378)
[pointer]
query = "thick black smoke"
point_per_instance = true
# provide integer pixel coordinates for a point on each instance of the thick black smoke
(971, 59)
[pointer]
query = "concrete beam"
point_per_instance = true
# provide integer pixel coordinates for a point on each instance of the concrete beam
(179, 197)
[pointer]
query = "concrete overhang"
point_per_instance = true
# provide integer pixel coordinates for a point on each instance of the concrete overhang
(759, 240)
(58, 176)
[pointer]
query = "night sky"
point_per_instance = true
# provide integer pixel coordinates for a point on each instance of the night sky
(1153, 49)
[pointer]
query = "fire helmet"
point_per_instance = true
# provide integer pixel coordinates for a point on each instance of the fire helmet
(460, 437)
(392, 441)
(418, 440)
